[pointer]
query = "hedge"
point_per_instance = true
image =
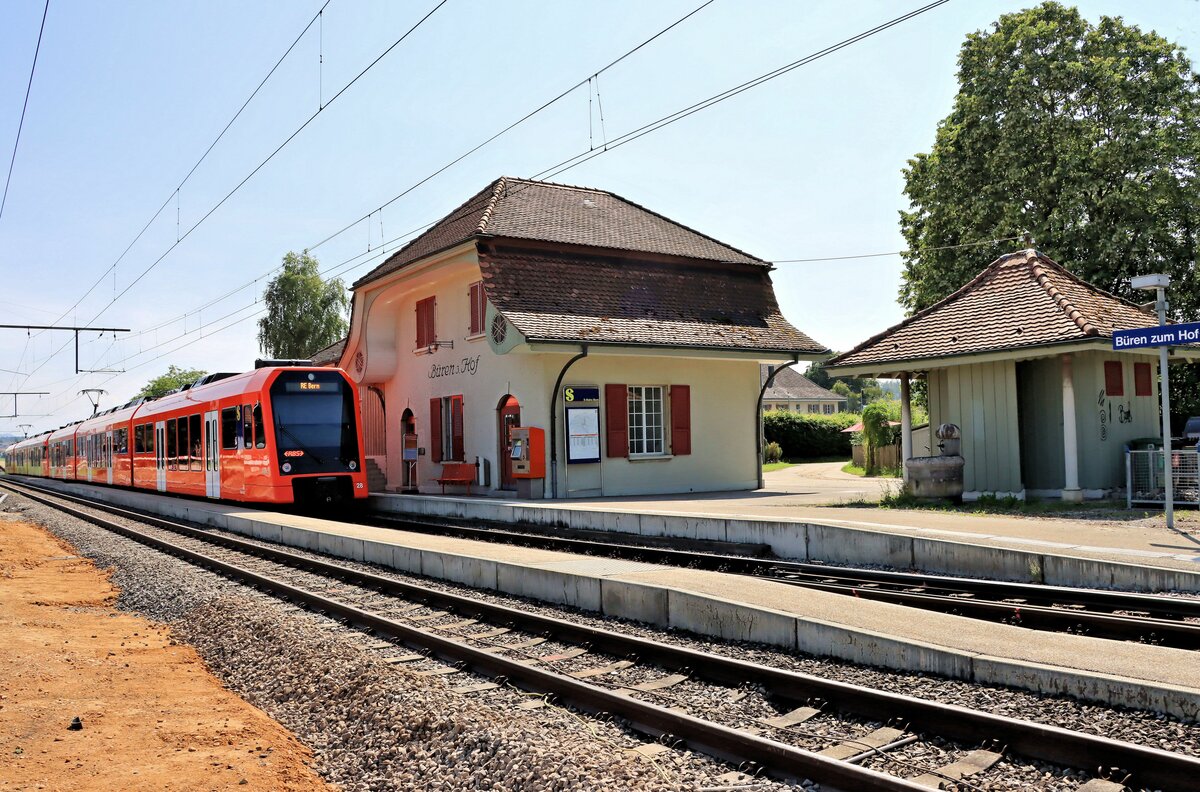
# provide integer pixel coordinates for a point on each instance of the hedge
(806, 435)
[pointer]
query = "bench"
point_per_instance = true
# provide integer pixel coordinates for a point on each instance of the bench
(462, 473)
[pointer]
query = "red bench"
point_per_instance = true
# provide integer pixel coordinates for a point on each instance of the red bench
(462, 473)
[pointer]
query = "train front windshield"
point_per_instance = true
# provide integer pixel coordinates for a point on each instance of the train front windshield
(314, 422)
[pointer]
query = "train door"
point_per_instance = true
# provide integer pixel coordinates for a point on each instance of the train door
(108, 454)
(160, 455)
(212, 456)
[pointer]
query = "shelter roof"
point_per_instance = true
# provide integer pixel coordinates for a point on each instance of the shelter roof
(626, 299)
(791, 385)
(558, 213)
(1020, 300)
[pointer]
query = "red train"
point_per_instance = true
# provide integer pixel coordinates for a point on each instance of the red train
(278, 434)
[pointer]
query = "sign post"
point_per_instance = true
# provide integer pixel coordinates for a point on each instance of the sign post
(1161, 337)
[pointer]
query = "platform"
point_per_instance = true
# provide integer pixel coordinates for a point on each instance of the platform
(742, 608)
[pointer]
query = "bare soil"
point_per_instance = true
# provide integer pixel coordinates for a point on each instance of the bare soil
(153, 717)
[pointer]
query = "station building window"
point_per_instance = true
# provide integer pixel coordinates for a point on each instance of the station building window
(814, 408)
(828, 409)
(446, 428)
(478, 308)
(426, 322)
(644, 421)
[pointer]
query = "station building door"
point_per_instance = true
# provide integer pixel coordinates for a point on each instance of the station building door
(509, 413)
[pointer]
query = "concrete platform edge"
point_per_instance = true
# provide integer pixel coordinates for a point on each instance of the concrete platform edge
(699, 613)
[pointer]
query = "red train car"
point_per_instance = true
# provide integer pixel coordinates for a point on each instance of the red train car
(273, 435)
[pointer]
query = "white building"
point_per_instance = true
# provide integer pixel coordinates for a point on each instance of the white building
(634, 342)
(791, 391)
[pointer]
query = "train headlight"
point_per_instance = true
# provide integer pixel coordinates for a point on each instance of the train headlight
(287, 467)
(353, 465)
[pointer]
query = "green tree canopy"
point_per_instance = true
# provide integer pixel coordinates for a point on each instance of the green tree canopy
(304, 312)
(172, 380)
(1087, 136)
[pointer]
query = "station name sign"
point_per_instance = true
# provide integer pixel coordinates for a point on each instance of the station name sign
(1166, 335)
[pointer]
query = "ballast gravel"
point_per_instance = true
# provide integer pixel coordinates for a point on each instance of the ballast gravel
(375, 725)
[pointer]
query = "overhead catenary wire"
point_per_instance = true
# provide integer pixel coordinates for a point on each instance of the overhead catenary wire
(25, 106)
(897, 252)
(247, 178)
(637, 133)
(174, 194)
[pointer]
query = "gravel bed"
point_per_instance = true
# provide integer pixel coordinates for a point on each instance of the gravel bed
(1134, 726)
(375, 725)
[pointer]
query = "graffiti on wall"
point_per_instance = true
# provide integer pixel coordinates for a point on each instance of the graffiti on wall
(1111, 411)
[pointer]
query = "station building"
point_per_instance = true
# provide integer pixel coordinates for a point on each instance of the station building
(1021, 359)
(628, 345)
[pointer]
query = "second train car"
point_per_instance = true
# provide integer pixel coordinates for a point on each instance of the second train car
(277, 434)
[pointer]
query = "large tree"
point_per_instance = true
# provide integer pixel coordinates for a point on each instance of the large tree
(174, 378)
(1087, 136)
(304, 312)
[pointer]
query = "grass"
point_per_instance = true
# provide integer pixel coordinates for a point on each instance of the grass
(855, 470)
(787, 463)
(769, 467)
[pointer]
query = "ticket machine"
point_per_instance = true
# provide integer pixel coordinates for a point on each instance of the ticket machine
(528, 457)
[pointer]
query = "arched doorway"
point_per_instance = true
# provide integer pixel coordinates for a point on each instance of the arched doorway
(508, 413)
(408, 451)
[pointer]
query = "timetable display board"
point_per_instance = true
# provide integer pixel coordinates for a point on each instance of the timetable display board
(583, 435)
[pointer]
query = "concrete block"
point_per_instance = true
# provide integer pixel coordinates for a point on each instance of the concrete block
(653, 525)
(870, 648)
(588, 520)
(549, 586)
(637, 601)
(1068, 571)
(786, 539)
(1180, 702)
(835, 545)
(706, 615)
(378, 553)
(710, 528)
(959, 558)
(467, 570)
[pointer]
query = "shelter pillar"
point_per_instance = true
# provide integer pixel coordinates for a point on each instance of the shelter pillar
(906, 441)
(1071, 491)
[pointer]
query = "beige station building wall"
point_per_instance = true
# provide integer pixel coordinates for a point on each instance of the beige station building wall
(724, 391)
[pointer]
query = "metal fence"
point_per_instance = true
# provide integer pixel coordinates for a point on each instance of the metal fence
(1145, 481)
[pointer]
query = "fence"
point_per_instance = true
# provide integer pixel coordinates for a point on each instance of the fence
(1145, 481)
(887, 456)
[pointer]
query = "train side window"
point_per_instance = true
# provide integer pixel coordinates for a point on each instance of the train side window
(171, 459)
(122, 441)
(260, 436)
(150, 435)
(247, 427)
(139, 439)
(229, 428)
(195, 437)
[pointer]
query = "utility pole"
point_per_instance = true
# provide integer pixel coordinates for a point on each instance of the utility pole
(76, 331)
(15, 394)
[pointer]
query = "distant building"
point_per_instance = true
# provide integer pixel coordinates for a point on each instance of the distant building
(794, 392)
(628, 344)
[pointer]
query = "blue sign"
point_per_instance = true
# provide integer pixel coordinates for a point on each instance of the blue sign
(1167, 335)
(574, 393)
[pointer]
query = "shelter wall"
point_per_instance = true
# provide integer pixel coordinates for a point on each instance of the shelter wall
(982, 399)
(1106, 422)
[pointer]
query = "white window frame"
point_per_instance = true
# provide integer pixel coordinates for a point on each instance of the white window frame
(647, 438)
(814, 409)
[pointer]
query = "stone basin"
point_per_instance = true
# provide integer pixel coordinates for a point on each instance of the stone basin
(935, 476)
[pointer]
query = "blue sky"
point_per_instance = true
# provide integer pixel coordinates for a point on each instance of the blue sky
(127, 97)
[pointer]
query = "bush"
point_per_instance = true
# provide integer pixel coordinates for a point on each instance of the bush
(773, 453)
(805, 435)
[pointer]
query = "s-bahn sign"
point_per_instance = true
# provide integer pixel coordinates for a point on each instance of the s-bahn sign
(1166, 335)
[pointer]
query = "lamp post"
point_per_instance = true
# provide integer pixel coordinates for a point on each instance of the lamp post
(1160, 283)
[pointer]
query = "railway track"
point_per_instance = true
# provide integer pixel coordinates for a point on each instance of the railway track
(1122, 616)
(642, 681)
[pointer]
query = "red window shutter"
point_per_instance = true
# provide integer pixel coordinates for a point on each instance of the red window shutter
(1114, 378)
(425, 322)
(1142, 380)
(456, 428)
(681, 420)
(435, 429)
(616, 420)
(476, 308)
(431, 321)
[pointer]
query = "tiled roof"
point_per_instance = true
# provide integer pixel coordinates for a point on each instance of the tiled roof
(533, 210)
(627, 300)
(791, 385)
(1023, 299)
(330, 355)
